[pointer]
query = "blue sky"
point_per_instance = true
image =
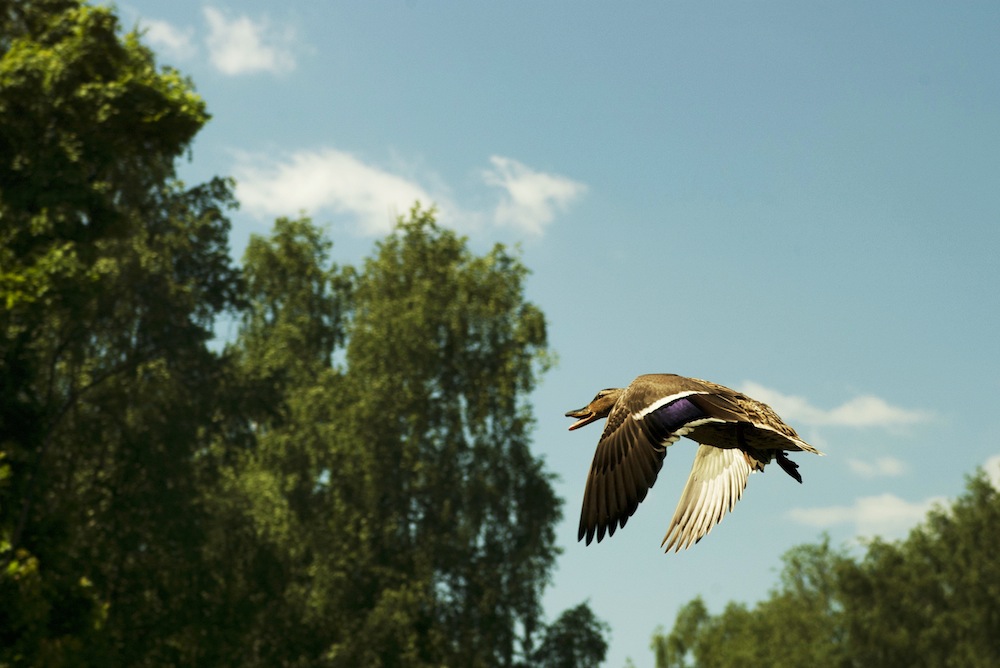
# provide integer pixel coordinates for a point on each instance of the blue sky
(797, 199)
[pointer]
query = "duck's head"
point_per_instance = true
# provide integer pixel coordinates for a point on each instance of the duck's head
(599, 407)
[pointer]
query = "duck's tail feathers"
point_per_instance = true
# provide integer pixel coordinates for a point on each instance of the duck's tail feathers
(788, 466)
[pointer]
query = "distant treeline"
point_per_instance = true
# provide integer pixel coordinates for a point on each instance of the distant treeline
(932, 599)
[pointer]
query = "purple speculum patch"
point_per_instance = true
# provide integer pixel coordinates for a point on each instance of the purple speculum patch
(670, 417)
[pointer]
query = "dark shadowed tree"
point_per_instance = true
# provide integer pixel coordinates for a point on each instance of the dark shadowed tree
(576, 639)
(110, 277)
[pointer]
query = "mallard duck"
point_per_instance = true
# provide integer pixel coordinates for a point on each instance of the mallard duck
(736, 435)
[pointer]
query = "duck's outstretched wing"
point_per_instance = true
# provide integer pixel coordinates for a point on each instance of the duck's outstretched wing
(625, 466)
(718, 478)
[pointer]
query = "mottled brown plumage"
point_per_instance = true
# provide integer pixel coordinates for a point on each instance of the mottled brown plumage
(736, 435)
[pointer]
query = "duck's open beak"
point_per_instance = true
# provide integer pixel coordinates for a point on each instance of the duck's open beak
(586, 417)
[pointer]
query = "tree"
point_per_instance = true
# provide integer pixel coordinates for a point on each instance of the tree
(928, 600)
(799, 624)
(110, 277)
(931, 599)
(673, 650)
(442, 351)
(271, 526)
(575, 640)
(396, 491)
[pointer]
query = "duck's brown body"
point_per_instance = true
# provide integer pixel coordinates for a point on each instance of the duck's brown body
(736, 435)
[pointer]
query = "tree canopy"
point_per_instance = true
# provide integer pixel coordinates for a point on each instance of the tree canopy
(349, 481)
(928, 600)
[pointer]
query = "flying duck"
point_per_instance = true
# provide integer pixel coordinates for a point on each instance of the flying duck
(736, 435)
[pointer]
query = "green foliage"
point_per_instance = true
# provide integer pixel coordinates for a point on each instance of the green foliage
(297, 306)
(577, 639)
(445, 348)
(349, 483)
(392, 496)
(929, 600)
(673, 650)
(111, 278)
(932, 600)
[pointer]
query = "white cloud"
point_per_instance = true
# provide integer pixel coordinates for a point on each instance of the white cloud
(532, 198)
(328, 179)
(882, 466)
(241, 45)
(863, 411)
(335, 181)
(884, 515)
(992, 468)
(167, 38)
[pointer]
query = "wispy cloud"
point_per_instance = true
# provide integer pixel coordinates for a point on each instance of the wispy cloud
(332, 180)
(169, 39)
(992, 468)
(532, 198)
(327, 179)
(882, 466)
(241, 45)
(862, 411)
(236, 44)
(884, 515)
